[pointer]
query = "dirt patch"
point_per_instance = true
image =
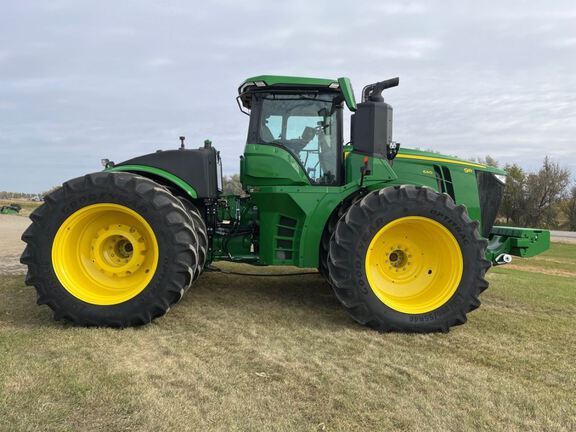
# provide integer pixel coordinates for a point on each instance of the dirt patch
(554, 260)
(533, 269)
(564, 240)
(11, 247)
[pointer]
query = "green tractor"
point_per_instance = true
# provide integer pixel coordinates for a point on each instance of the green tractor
(404, 237)
(11, 209)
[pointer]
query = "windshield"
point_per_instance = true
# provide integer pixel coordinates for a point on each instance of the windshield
(307, 126)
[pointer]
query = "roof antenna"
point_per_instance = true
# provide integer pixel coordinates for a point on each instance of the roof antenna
(182, 138)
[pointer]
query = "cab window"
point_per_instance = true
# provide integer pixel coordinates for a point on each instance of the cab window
(307, 125)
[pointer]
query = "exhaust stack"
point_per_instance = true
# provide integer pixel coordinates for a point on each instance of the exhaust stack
(371, 125)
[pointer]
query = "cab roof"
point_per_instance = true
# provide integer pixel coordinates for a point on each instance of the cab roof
(342, 85)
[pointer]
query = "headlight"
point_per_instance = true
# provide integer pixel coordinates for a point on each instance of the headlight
(501, 178)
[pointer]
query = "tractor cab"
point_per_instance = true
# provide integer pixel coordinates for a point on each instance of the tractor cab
(306, 125)
(298, 122)
(295, 134)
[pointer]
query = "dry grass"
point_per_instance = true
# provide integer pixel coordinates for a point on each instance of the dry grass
(280, 354)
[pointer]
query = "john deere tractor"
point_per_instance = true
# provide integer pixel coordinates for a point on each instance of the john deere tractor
(404, 237)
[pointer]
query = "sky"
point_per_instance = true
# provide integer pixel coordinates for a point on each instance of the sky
(81, 81)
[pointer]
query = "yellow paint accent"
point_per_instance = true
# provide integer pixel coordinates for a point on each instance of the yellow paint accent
(435, 159)
(414, 264)
(105, 254)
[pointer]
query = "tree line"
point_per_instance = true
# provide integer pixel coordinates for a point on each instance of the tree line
(16, 195)
(544, 198)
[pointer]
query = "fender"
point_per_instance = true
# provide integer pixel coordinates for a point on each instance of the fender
(194, 171)
(172, 179)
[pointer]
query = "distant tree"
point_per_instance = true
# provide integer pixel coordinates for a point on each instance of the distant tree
(535, 199)
(513, 200)
(490, 161)
(486, 160)
(544, 192)
(12, 195)
(232, 185)
(429, 150)
(569, 209)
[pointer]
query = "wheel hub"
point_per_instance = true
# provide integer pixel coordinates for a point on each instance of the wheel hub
(118, 250)
(398, 258)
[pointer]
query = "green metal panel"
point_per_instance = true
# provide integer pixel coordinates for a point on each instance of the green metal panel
(177, 181)
(466, 190)
(522, 242)
(268, 165)
(298, 214)
(380, 170)
(290, 81)
(347, 92)
(418, 173)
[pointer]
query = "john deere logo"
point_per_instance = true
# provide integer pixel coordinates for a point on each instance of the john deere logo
(468, 170)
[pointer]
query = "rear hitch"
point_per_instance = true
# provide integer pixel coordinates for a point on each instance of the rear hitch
(503, 259)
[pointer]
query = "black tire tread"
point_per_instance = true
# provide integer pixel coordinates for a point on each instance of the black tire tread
(201, 233)
(183, 239)
(349, 228)
(328, 232)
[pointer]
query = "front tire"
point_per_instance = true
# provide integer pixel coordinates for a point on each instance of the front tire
(110, 249)
(407, 258)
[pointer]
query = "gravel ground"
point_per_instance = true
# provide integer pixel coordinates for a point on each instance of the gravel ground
(563, 236)
(11, 228)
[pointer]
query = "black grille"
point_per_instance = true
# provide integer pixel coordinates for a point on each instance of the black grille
(444, 179)
(285, 246)
(490, 191)
(287, 221)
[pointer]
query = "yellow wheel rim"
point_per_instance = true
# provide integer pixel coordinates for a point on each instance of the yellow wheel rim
(105, 254)
(414, 264)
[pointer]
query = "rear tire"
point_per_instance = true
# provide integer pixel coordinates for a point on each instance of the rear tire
(110, 249)
(201, 233)
(408, 259)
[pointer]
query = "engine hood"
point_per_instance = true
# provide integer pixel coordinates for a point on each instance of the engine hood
(407, 154)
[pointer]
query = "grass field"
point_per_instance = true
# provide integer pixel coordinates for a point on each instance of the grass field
(280, 354)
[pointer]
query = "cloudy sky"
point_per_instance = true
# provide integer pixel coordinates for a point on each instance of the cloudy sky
(83, 80)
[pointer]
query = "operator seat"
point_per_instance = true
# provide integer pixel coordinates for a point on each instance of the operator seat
(266, 133)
